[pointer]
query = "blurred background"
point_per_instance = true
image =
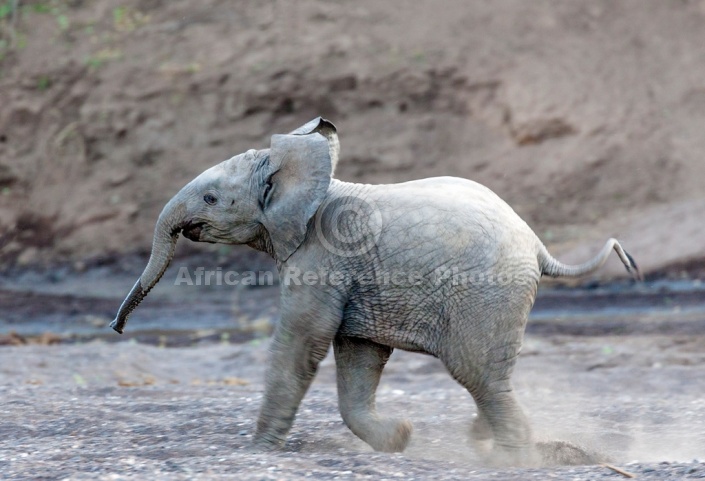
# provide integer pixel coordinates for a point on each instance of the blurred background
(587, 117)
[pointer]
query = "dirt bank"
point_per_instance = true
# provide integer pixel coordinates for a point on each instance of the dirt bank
(587, 117)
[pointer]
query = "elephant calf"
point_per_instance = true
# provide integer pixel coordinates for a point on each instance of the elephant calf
(440, 266)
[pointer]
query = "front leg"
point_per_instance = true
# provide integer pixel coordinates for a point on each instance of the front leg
(309, 321)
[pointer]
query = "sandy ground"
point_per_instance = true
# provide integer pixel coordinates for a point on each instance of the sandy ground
(130, 411)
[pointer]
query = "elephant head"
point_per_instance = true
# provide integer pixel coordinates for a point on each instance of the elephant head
(263, 198)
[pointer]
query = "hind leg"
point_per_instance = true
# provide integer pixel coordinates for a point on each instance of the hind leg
(359, 366)
(501, 432)
(512, 441)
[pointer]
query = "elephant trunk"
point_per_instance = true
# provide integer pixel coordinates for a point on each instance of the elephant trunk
(166, 233)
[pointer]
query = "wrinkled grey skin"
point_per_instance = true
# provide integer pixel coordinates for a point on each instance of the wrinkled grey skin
(284, 201)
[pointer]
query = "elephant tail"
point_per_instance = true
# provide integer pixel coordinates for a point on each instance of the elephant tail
(554, 268)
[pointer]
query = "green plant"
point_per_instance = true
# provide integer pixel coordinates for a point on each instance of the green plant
(119, 14)
(55, 8)
(13, 39)
(5, 9)
(126, 19)
(43, 82)
(79, 380)
(101, 57)
(39, 8)
(93, 63)
(20, 41)
(63, 22)
(8, 17)
(419, 56)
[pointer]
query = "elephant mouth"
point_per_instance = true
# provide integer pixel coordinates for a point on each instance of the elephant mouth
(193, 231)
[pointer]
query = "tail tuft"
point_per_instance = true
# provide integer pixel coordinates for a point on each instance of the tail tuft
(554, 268)
(632, 268)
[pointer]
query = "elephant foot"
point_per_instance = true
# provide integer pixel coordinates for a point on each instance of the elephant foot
(401, 435)
(564, 453)
(266, 443)
(389, 436)
(481, 437)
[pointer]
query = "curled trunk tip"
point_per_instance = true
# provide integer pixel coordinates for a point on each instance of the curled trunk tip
(128, 305)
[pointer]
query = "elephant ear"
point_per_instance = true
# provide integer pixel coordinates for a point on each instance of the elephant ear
(301, 165)
(326, 129)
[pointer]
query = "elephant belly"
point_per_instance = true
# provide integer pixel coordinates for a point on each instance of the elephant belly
(400, 321)
(424, 316)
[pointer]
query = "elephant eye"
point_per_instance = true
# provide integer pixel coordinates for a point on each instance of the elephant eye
(210, 199)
